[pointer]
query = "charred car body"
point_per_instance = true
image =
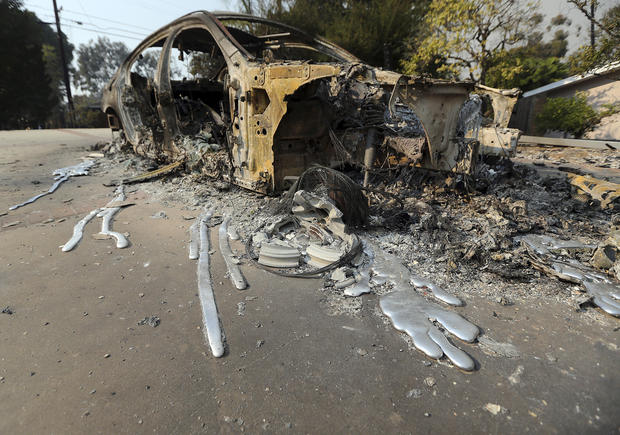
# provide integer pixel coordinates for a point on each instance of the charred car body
(258, 102)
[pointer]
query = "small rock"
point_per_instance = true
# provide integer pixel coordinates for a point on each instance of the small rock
(339, 274)
(107, 355)
(427, 414)
(7, 310)
(160, 215)
(515, 377)
(361, 352)
(259, 343)
(415, 393)
(153, 321)
(101, 297)
(141, 295)
(430, 381)
(502, 301)
(492, 408)
(11, 224)
(604, 257)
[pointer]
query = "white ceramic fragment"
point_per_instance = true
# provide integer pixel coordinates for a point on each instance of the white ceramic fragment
(274, 254)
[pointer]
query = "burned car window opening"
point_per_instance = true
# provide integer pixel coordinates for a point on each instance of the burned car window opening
(197, 75)
(140, 97)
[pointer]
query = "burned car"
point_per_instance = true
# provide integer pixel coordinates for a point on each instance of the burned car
(258, 102)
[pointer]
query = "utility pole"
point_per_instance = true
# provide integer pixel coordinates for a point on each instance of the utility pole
(592, 11)
(65, 70)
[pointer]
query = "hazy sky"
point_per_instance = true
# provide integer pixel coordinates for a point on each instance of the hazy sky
(131, 21)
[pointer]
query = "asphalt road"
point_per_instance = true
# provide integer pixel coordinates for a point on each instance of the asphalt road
(73, 358)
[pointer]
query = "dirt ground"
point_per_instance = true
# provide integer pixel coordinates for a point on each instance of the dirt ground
(300, 358)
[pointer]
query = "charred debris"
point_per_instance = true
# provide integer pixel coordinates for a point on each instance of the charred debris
(269, 101)
(376, 182)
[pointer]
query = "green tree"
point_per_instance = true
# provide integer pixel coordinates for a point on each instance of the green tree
(469, 34)
(513, 69)
(26, 94)
(97, 62)
(535, 64)
(53, 64)
(87, 112)
(606, 47)
(374, 30)
(572, 115)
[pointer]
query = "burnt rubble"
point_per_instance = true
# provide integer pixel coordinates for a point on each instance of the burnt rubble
(455, 236)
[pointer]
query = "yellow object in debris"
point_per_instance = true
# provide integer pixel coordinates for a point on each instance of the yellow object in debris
(604, 191)
(156, 173)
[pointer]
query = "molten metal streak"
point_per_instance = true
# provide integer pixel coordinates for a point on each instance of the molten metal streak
(236, 277)
(108, 213)
(210, 318)
(60, 175)
(78, 231)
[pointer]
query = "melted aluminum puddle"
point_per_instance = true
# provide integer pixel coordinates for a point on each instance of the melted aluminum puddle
(60, 176)
(199, 234)
(544, 245)
(236, 277)
(605, 294)
(362, 286)
(107, 213)
(414, 315)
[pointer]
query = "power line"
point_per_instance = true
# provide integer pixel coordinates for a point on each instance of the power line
(84, 10)
(92, 16)
(102, 32)
(98, 29)
(106, 28)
